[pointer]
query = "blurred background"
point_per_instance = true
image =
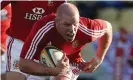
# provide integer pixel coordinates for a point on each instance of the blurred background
(120, 15)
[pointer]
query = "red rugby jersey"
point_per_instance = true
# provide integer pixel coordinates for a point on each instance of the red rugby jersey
(25, 13)
(44, 32)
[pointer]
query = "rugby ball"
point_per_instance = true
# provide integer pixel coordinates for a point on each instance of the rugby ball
(50, 56)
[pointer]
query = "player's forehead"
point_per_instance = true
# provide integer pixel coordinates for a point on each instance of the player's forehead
(69, 22)
(70, 19)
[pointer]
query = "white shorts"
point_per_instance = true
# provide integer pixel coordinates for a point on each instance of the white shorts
(13, 51)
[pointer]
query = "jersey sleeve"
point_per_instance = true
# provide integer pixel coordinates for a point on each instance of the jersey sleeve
(93, 28)
(37, 39)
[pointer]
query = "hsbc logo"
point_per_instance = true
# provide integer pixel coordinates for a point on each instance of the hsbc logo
(37, 10)
(36, 15)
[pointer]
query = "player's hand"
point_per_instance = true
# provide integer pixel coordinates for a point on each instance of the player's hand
(63, 65)
(92, 65)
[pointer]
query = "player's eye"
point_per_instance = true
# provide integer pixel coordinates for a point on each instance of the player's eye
(76, 24)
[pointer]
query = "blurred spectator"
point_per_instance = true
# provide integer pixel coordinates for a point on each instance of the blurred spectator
(118, 13)
(130, 37)
(120, 39)
(130, 59)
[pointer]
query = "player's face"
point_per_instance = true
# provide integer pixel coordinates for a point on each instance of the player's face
(67, 26)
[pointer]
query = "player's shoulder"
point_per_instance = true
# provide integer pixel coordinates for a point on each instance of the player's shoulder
(91, 22)
(84, 21)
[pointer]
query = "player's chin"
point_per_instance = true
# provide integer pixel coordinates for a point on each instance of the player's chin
(70, 39)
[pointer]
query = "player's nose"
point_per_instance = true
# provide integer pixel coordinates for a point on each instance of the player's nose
(72, 29)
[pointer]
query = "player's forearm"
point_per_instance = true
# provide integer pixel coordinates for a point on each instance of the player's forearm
(33, 68)
(104, 42)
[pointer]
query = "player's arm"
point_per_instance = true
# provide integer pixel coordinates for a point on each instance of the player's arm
(32, 47)
(31, 67)
(4, 4)
(104, 40)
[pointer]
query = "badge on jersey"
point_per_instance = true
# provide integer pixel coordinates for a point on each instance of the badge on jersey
(49, 43)
(75, 44)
